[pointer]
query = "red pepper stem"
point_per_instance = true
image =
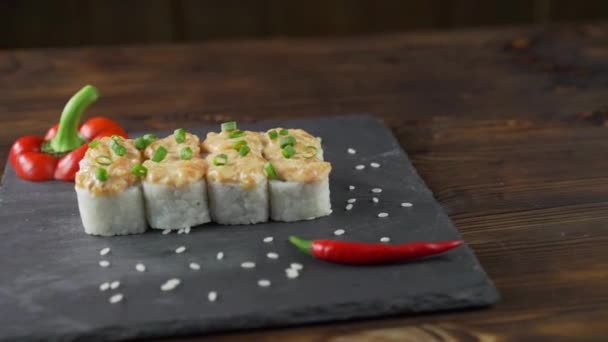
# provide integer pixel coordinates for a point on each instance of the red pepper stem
(67, 137)
(303, 245)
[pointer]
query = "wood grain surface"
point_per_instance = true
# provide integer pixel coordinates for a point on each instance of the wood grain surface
(508, 127)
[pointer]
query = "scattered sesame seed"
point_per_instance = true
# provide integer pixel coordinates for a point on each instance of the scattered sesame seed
(351, 150)
(385, 239)
(360, 167)
(116, 298)
(194, 266)
(140, 267)
(187, 230)
(406, 204)
(104, 286)
(296, 266)
(212, 296)
(374, 165)
(180, 250)
(166, 231)
(268, 239)
(180, 231)
(291, 273)
(272, 255)
(104, 251)
(114, 285)
(263, 282)
(382, 214)
(248, 264)
(351, 187)
(349, 206)
(220, 255)
(376, 190)
(104, 263)
(351, 200)
(339, 232)
(375, 199)
(170, 284)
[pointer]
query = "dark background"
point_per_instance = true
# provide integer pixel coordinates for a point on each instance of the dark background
(58, 23)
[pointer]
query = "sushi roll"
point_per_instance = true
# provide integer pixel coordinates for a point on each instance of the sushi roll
(174, 186)
(237, 187)
(298, 176)
(109, 194)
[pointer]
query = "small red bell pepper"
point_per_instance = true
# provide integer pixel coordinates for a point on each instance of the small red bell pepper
(56, 156)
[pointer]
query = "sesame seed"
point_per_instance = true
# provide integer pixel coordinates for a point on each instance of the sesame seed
(248, 264)
(263, 282)
(116, 298)
(104, 286)
(272, 255)
(187, 230)
(360, 167)
(212, 296)
(170, 284)
(385, 239)
(382, 214)
(406, 204)
(104, 251)
(194, 266)
(140, 267)
(349, 206)
(351, 150)
(180, 231)
(268, 239)
(296, 266)
(339, 232)
(351, 187)
(180, 249)
(351, 200)
(220, 255)
(374, 165)
(114, 285)
(376, 190)
(291, 273)
(375, 199)
(166, 231)
(104, 263)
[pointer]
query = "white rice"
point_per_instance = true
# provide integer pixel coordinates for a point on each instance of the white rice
(117, 214)
(170, 207)
(294, 201)
(230, 203)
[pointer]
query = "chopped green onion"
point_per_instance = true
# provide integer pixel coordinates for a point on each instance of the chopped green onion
(238, 144)
(244, 150)
(288, 151)
(185, 153)
(118, 148)
(288, 140)
(180, 135)
(116, 137)
(313, 151)
(270, 171)
(104, 160)
(236, 134)
(284, 131)
(273, 134)
(139, 170)
(159, 154)
(228, 126)
(142, 142)
(220, 159)
(94, 143)
(150, 137)
(102, 174)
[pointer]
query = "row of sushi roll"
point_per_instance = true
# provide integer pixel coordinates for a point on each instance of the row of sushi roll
(232, 177)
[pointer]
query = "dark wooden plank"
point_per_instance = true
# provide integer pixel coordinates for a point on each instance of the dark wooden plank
(506, 126)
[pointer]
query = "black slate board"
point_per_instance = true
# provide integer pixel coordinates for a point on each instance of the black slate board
(49, 283)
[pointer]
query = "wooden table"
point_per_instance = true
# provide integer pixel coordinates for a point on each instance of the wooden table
(508, 127)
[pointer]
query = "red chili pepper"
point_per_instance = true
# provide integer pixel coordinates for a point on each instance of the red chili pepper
(56, 156)
(359, 253)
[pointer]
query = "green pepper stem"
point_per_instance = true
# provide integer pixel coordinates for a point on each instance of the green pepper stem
(67, 137)
(303, 245)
